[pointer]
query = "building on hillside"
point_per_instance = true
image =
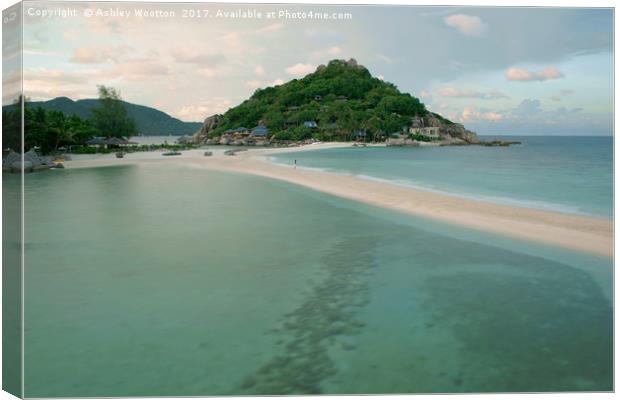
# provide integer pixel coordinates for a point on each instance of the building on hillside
(311, 125)
(260, 131)
(431, 132)
(318, 98)
(237, 133)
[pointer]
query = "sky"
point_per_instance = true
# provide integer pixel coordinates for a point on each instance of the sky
(497, 70)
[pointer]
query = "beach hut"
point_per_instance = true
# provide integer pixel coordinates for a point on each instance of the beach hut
(97, 142)
(260, 131)
(359, 135)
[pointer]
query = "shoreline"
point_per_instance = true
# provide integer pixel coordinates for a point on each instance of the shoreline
(575, 232)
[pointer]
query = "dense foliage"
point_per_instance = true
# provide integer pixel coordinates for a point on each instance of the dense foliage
(48, 130)
(149, 121)
(341, 97)
(110, 115)
(45, 130)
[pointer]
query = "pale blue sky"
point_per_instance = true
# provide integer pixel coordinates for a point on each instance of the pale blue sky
(497, 70)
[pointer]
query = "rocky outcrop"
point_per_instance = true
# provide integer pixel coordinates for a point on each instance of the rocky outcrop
(458, 131)
(207, 127)
(450, 130)
(30, 162)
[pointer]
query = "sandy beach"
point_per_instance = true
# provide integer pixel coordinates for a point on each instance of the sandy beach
(581, 233)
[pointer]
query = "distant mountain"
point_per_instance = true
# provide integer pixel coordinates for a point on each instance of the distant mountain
(149, 121)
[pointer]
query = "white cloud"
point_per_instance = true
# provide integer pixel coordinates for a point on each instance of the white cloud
(207, 72)
(527, 108)
(470, 114)
(381, 77)
(99, 55)
(561, 94)
(300, 69)
(190, 56)
(524, 75)
(471, 94)
(71, 35)
(334, 50)
(425, 94)
(384, 58)
(469, 25)
(271, 28)
(198, 112)
(277, 82)
(253, 84)
(259, 70)
(232, 39)
(325, 55)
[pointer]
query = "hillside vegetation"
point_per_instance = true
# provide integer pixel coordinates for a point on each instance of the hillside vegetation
(342, 98)
(149, 121)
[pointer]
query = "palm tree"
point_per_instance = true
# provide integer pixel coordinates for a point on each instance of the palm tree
(61, 128)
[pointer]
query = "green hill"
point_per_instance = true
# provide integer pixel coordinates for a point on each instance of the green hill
(149, 121)
(341, 98)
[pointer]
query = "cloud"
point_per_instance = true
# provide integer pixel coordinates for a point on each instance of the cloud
(471, 94)
(232, 39)
(561, 94)
(99, 55)
(271, 28)
(259, 70)
(384, 58)
(527, 107)
(470, 114)
(523, 75)
(71, 35)
(141, 68)
(381, 77)
(207, 72)
(187, 56)
(468, 25)
(334, 50)
(198, 112)
(328, 53)
(425, 94)
(300, 69)
(253, 84)
(277, 82)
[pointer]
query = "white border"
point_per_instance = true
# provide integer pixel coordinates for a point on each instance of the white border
(484, 3)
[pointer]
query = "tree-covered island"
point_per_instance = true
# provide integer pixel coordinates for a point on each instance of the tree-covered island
(340, 101)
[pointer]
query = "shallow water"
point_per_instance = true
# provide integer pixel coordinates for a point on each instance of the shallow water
(567, 174)
(163, 280)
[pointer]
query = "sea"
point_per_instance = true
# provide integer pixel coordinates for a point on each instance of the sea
(171, 280)
(555, 173)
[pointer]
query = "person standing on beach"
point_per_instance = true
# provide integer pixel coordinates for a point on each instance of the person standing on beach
(295, 165)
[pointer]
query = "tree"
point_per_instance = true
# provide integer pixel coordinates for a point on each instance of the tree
(47, 130)
(110, 116)
(12, 126)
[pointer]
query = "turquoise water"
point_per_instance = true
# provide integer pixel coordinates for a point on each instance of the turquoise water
(566, 174)
(162, 280)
